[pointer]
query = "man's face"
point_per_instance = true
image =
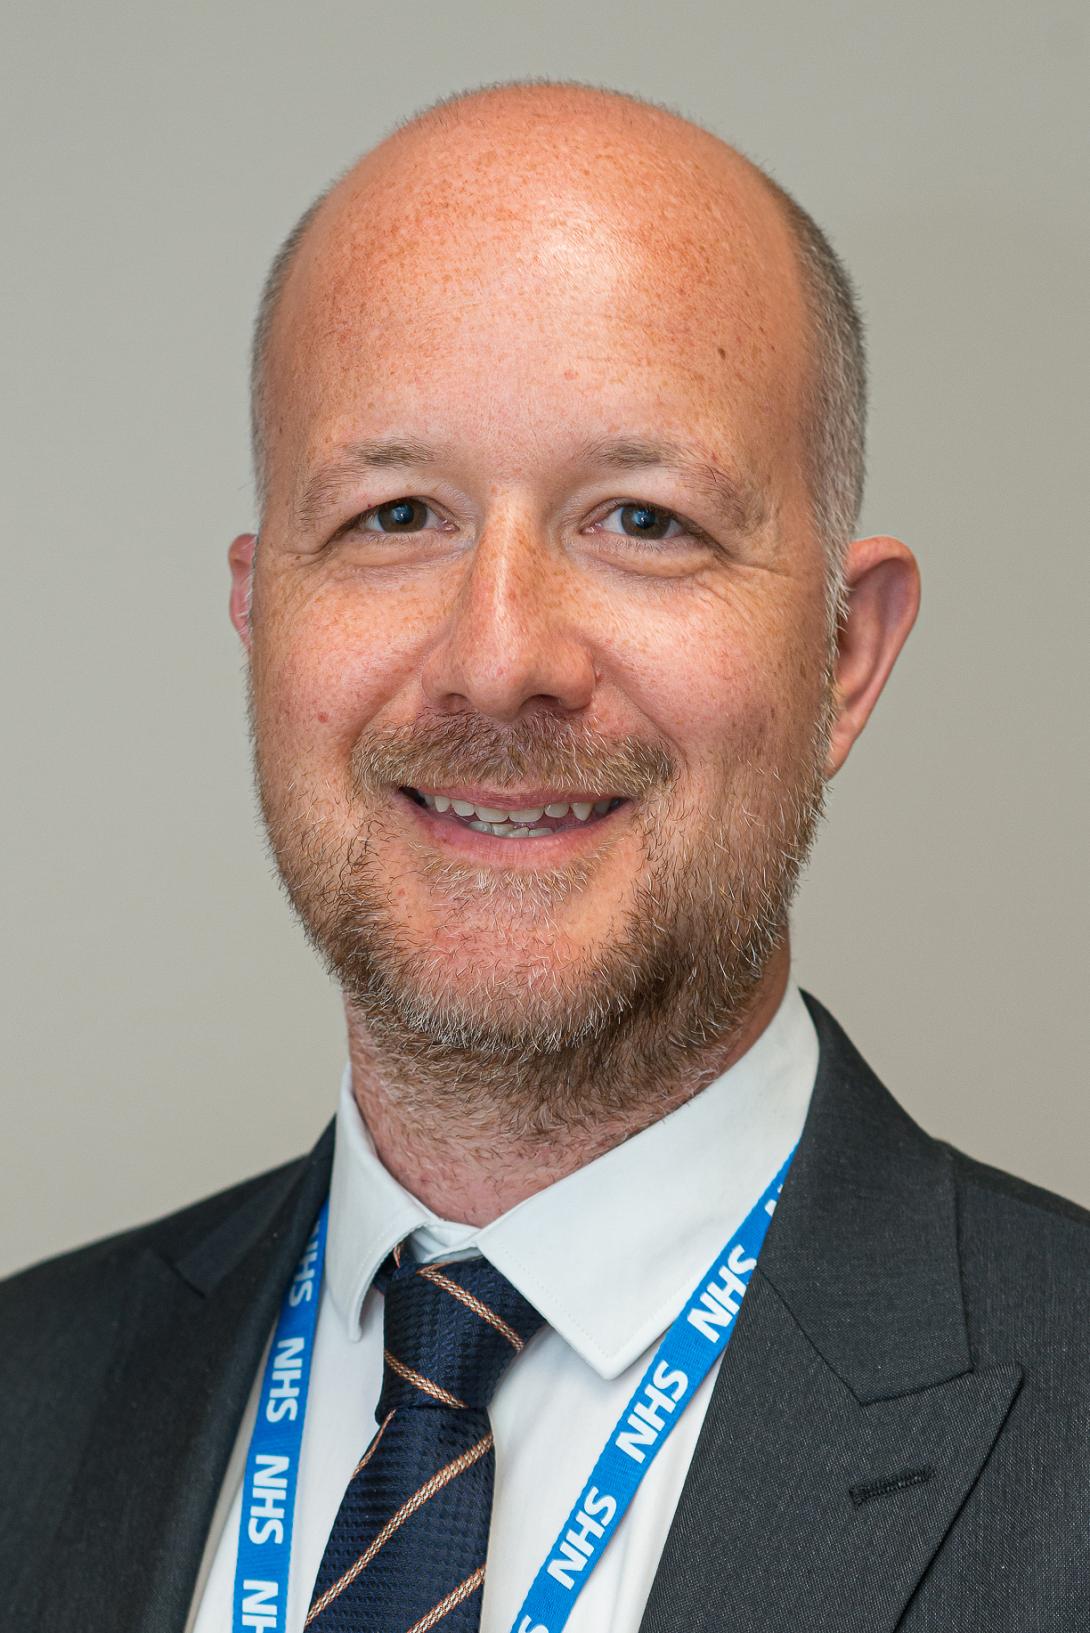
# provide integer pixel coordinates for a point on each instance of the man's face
(537, 556)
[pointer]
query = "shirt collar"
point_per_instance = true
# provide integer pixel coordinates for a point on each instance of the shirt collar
(608, 1254)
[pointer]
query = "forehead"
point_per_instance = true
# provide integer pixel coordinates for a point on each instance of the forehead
(528, 278)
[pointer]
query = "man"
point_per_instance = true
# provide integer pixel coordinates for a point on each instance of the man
(556, 631)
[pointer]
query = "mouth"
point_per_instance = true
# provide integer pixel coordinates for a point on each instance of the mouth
(537, 816)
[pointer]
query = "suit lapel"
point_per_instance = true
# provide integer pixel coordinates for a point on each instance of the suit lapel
(189, 1342)
(845, 1431)
(847, 1424)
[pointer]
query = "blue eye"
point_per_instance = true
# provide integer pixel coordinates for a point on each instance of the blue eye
(399, 516)
(639, 521)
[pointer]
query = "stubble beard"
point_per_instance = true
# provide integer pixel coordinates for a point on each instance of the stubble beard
(542, 1039)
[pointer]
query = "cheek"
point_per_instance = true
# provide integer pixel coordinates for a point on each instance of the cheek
(727, 675)
(326, 666)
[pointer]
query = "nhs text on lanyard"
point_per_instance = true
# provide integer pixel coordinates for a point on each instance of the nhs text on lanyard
(697, 1338)
(272, 1464)
(699, 1335)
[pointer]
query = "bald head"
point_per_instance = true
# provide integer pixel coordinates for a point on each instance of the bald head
(558, 407)
(563, 177)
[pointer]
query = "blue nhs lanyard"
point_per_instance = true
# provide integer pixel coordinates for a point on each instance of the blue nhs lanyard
(272, 1463)
(697, 1338)
(684, 1357)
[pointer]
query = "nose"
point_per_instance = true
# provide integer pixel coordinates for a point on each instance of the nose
(514, 636)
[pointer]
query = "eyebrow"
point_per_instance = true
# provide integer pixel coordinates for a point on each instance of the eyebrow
(739, 503)
(328, 481)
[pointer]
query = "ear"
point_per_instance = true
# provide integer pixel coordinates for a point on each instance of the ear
(240, 557)
(882, 582)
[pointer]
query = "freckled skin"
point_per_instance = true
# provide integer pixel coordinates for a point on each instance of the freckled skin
(549, 269)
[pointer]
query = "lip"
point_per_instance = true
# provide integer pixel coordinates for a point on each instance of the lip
(520, 854)
(514, 800)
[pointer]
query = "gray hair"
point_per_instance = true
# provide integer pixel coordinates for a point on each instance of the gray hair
(835, 393)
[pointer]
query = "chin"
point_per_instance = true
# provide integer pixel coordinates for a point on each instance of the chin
(485, 994)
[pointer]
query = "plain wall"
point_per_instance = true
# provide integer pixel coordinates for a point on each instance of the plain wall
(168, 1030)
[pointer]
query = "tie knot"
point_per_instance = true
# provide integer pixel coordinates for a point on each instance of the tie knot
(450, 1333)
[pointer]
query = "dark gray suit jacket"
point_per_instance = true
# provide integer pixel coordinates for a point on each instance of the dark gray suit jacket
(899, 1436)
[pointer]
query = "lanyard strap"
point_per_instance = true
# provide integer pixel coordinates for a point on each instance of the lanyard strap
(272, 1464)
(695, 1341)
(697, 1338)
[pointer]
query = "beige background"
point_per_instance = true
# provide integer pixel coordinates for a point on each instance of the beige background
(168, 1031)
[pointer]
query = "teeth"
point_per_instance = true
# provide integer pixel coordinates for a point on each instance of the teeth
(515, 824)
(503, 831)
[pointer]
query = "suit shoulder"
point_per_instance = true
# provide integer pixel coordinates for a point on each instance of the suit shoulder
(1025, 1270)
(68, 1323)
(1036, 1209)
(64, 1275)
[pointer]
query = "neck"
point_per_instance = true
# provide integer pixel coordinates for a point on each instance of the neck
(470, 1159)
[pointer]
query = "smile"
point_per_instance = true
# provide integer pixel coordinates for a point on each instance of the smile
(533, 817)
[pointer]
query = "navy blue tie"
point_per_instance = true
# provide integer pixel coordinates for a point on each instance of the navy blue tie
(407, 1549)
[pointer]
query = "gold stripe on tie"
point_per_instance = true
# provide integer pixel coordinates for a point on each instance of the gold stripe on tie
(471, 1302)
(418, 1380)
(445, 1475)
(451, 1602)
(373, 1447)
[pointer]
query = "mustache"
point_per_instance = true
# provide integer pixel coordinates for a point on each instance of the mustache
(540, 749)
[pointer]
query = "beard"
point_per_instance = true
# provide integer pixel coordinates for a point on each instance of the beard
(547, 1036)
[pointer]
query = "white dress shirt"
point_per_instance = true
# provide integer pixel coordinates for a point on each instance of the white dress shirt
(608, 1255)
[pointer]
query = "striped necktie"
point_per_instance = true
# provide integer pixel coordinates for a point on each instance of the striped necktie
(407, 1549)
